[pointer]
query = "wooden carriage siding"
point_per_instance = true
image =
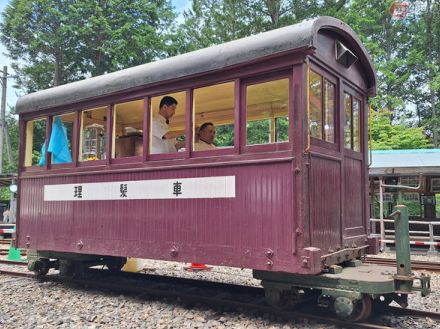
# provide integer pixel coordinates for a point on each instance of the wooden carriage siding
(290, 203)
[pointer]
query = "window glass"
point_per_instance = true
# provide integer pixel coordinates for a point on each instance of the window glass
(267, 103)
(347, 121)
(35, 143)
(61, 136)
(329, 111)
(315, 99)
(213, 111)
(167, 128)
(93, 134)
(224, 135)
(322, 108)
(128, 124)
(356, 125)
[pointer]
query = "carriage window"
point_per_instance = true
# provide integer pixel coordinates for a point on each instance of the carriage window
(60, 142)
(213, 110)
(356, 125)
(93, 134)
(329, 111)
(168, 123)
(35, 142)
(267, 118)
(352, 122)
(347, 120)
(322, 108)
(128, 122)
(315, 101)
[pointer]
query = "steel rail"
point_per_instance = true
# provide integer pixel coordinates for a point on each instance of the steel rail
(415, 265)
(13, 262)
(231, 296)
(413, 313)
(15, 273)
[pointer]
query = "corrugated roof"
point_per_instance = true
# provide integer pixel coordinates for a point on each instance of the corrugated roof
(425, 161)
(212, 59)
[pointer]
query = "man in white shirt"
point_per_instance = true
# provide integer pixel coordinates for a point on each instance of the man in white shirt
(163, 140)
(206, 136)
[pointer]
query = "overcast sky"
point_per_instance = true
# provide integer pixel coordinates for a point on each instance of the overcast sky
(11, 95)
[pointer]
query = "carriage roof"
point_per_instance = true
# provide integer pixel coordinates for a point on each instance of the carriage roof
(300, 36)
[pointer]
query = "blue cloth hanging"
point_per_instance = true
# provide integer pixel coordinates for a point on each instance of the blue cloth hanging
(42, 160)
(58, 143)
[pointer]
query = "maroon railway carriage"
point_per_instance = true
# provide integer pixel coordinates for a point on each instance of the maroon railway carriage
(285, 189)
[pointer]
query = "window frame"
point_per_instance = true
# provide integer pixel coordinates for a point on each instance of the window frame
(175, 155)
(74, 144)
(34, 168)
(134, 158)
(108, 127)
(218, 151)
(267, 77)
(354, 95)
(241, 80)
(314, 141)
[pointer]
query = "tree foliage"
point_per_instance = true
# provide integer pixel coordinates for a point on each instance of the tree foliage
(386, 136)
(52, 42)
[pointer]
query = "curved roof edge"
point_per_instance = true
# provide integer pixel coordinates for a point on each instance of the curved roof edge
(298, 36)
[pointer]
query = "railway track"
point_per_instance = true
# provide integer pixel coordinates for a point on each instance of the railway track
(227, 296)
(415, 265)
(4, 271)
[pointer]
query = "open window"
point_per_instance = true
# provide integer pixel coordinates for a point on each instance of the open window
(168, 122)
(128, 122)
(61, 137)
(93, 134)
(213, 111)
(35, 154)
(267, 112)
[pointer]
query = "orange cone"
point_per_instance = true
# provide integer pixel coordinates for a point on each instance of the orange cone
(197, 267)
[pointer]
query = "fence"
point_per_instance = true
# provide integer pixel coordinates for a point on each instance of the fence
(427, 236)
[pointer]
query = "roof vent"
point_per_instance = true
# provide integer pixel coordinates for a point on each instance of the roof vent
(344, 55)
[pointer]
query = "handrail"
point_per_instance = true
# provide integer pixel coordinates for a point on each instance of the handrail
(434, 240)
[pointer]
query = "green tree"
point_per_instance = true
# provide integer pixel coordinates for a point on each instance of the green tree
(52, 42)
(386, 136)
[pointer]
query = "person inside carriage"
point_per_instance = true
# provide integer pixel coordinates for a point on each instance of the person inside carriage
(164, 140)
(206, 135)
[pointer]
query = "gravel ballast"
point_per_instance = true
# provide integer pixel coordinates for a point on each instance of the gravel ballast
(27, 303)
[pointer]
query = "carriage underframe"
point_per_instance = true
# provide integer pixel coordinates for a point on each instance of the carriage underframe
(351, 289)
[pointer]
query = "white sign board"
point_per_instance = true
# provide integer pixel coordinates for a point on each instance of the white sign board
(181, 188)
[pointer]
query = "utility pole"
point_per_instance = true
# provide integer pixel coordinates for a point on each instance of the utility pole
(2, 115)
(4, 134)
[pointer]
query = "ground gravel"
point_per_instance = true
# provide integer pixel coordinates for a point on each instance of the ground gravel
(27, 303)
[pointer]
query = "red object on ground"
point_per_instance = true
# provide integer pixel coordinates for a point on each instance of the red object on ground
(197, 267)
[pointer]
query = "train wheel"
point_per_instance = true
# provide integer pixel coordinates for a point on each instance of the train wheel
(41, 267)
(286, 299)
(272, 296)
(381, 303)
(115, 265)
(353, 310)
(67, 268)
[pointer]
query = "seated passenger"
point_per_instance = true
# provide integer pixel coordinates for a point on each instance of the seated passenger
(163, 140)
(206, 135)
